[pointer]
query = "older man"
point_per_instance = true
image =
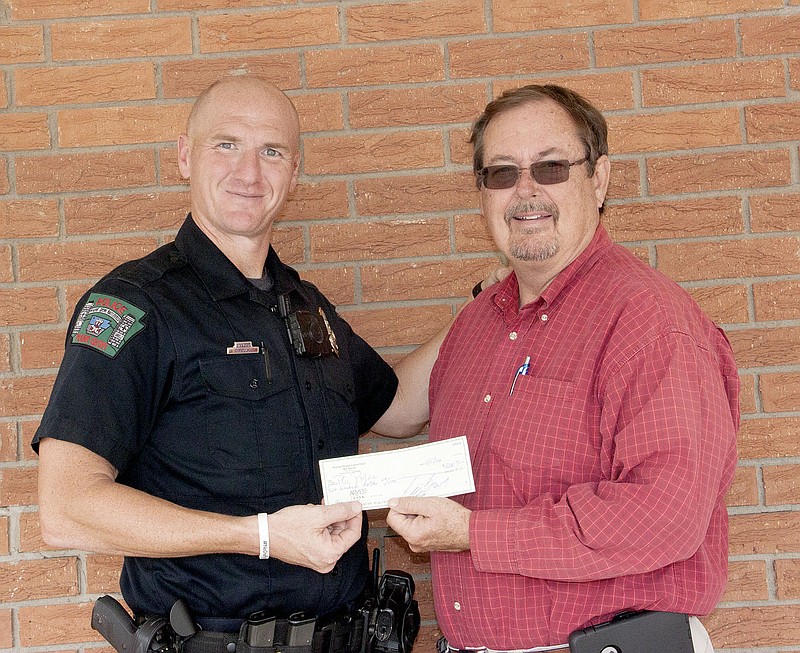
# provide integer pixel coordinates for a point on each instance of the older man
(599, 402)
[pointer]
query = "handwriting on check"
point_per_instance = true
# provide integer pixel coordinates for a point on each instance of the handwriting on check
(434, 469)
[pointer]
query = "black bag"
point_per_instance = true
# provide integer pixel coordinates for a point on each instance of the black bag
(636, 632)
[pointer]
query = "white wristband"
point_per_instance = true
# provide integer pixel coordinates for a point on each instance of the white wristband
(263, 536)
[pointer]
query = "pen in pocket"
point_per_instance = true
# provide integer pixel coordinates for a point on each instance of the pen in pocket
(521, 370)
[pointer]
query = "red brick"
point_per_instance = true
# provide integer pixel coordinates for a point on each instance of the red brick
(778, 300)
(730, 170)
(38, 579)
(399, 556)
(781, 485)
(84, 172)
(765, 533)
(378, 65)
(769, 437)
(723, 304)
(45, 9)
(18, 487)
(416, 106)
(518, 56)
(625, 180)
(102, 573)
(178, 5)
(84, 84)
(125, 213)
(28, 306)
(605, 90)
(79, 260)
(28, 218)
(775, 212)
(5, 546)
(659, 10)
(426, 280)
(30, 535)
(29, 427)
(771, 35)
(747, 394)
(744, 490)
(6, 629)
(41, 349)
(397, 327)
(753, 627)
(24, 131)
(780, 392)
(724, 82)
(679, 130)
(794, 74)
(289, 28)
(3, 92)
(337, 284)
(472, 234)
(6, 264)
(121, 125)
(674, 219)
(729, 259)
(413, 194)
(8, 442)
(54, 625)
(317, 201)
(75, 292)
(379, 152)
(758, 347)
(787, 575)
(21, 44)
(425, 19)
(25, 395)
(662, 43)
(185, 79)
(519, 15)
(747, 581)
(5, 186)
(772, 122)
(169, 174)
(289, 243)
(319, 111)
(113, 39)
(5, 352)
(378, 240)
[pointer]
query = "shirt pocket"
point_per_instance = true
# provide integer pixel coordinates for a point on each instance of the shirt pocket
(537, 436)
(340, 400)
(251, 423)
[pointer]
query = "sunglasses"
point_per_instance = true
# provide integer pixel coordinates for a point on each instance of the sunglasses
(544, 172)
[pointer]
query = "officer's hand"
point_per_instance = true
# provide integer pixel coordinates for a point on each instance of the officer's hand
(430, 523)
(495, 276)
(314, 536)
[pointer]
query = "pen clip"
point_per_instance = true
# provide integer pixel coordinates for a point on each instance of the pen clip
(521, 370)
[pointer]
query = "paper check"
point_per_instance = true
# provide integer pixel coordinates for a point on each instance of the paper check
(436, 469)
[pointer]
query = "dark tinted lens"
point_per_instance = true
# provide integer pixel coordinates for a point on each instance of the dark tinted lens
(496, 177)
(550, 172)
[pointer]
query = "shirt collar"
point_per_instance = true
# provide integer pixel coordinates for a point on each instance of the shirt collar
(220, 276)
(506, 297)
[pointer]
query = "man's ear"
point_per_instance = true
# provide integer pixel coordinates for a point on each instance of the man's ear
(295, 173)
(602, 175)
(184, 152)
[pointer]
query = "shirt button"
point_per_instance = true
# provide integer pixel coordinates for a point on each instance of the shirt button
(457, 606)
(321, 444)
(308, 385)
(512, 335)
(254, 384)
(487, 399)
(544, 317)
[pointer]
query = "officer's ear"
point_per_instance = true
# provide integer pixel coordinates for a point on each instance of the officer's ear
(184, 156)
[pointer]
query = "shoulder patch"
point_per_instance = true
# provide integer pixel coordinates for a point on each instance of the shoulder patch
(107, 323)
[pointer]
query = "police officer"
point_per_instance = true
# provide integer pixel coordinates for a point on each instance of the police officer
(185, 427)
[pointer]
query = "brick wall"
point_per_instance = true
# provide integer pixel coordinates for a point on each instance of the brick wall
(703, 101)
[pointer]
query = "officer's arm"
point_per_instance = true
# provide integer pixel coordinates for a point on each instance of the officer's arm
(81, 506)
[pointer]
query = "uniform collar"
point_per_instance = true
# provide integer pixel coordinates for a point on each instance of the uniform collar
(506, 296)
(220, 276)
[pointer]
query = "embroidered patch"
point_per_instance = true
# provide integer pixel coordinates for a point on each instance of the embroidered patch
(107, 323)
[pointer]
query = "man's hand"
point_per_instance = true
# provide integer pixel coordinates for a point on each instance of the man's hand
(496, 276)
(314, 536)
(430, 523)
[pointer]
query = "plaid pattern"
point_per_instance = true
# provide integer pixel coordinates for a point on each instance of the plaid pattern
(600, 480)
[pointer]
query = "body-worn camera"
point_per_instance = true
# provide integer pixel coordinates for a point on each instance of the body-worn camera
(310, 333)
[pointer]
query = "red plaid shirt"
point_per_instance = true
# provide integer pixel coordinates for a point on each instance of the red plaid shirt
(600, 480)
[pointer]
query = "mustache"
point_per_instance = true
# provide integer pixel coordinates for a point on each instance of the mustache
(531, 207)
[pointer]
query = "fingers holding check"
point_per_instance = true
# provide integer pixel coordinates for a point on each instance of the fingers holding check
(430, 523)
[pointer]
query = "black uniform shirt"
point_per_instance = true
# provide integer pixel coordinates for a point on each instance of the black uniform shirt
(164, 376)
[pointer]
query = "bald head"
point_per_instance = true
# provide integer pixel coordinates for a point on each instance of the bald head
(236, 91)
